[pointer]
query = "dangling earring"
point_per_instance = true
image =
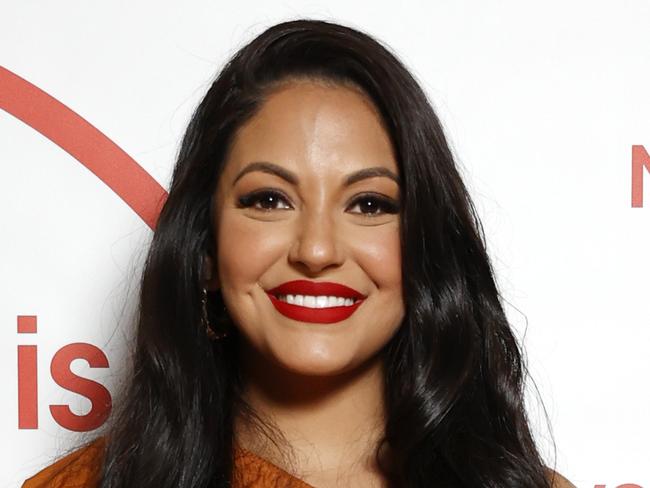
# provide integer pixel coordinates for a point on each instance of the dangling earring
(205, 322)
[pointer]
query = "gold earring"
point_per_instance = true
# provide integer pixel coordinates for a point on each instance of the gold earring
(212, 335)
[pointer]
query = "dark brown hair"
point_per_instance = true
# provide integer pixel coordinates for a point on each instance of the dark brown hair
(454, 371)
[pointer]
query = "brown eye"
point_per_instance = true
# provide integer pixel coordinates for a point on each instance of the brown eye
(372, 205)
(265, 200)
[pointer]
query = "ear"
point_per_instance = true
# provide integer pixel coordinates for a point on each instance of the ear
(209, 274)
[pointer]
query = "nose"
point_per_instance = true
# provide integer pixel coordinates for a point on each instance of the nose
(316, 243)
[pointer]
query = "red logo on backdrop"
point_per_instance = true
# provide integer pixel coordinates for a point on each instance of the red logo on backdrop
(625, 485)
(132, 184)
(640, 161)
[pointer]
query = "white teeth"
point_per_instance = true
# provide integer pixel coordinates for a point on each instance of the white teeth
(320, 301)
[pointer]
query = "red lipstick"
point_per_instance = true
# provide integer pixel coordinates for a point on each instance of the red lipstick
(315, 315)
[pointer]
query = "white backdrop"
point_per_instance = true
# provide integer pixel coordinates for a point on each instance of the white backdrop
(542, 101)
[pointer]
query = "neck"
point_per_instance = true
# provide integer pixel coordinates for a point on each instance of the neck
(328, 424)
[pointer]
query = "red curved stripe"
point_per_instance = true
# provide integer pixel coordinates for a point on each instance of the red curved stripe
(85, 143)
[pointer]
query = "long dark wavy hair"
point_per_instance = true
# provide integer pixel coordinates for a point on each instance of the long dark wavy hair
(454, 372)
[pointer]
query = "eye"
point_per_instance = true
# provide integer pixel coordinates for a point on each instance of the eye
(264, 200)
(372, 205)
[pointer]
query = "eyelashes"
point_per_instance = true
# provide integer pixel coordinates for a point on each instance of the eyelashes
(370, 204)
(378, 205)
(266, 198)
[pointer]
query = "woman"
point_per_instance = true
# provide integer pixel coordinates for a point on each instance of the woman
(317, 307)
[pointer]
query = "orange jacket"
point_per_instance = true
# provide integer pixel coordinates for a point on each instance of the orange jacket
(81, 469)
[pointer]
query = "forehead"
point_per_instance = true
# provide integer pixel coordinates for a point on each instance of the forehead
(310, 125)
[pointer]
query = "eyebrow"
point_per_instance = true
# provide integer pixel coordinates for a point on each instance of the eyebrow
(291, 177)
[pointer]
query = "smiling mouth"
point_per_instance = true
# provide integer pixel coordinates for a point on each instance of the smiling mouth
(317, 301)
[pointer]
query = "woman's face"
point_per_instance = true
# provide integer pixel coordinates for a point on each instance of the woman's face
(309, 195)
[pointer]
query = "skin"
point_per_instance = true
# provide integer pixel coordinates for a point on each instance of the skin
(321, 384)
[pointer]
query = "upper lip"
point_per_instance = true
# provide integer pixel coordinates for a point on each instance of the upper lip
(315, 288)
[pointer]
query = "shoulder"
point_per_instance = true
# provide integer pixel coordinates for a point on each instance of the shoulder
(557, 480)
(81, 468)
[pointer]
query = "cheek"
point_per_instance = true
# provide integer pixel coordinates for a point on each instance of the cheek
(379, 254)
(245, 249)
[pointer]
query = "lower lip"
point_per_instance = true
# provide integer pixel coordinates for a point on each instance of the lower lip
(328, 315)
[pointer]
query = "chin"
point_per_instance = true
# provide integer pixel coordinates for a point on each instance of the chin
(313, 371)
(314, 363)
